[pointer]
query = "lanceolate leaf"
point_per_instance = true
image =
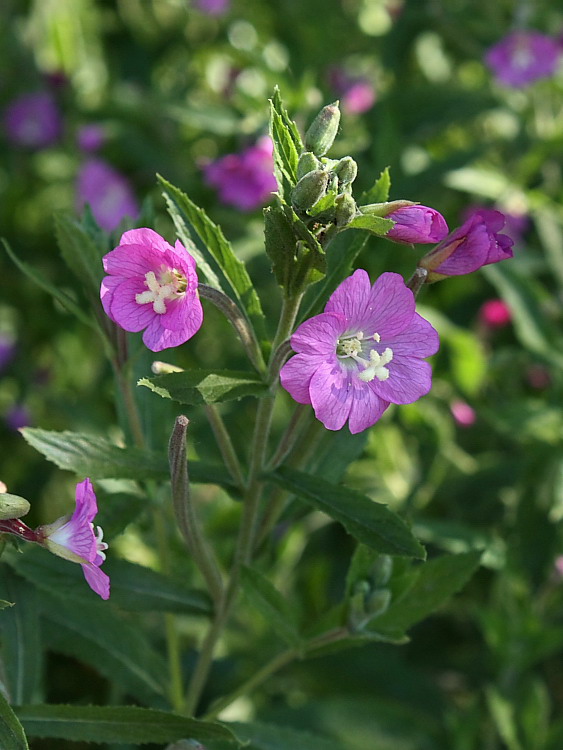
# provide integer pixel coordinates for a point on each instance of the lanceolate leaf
(97, 458)
(271, 605)
(375, 224)
(379, 193)
(79, 251)
(239, 283)
(12, 736)
(20, 636)
(371, 523)
(118, 724)
(287, 143)
(206, 386)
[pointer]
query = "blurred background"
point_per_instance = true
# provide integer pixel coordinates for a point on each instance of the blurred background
(97, 96)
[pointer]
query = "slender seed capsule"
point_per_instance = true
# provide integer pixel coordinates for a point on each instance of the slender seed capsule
(346, 170)
(322, 132)
(309, 189)
(308, 162)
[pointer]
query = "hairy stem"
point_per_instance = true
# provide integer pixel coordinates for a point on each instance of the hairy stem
(225, 444)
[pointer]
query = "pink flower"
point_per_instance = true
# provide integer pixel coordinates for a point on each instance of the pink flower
(417, 225)
(213, 7)
(152, 285)
(362, 353)
(476, 243)
(73, 538)
(33, 120)
(244, 180)
(357, 93)
(107, 192)
(495, 313)
(91, 137)
(523, 57)
(463, 414)
(17, 416)
(515, 223)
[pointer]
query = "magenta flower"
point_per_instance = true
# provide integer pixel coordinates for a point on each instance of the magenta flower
(91, 138)
(362, 353)
(74, 539)
(244, 180)
(515, 223)
(357, 93)
(495, 313)
(107, 192)
(463, 414)
(33, 120)
(152, 285)
(417, 225)
(17, 416)
(523, 57)
(476, 243)
(213, 7)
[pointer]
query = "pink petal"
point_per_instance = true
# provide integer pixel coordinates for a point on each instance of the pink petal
(409, 379)
(97, 580)
(184, 316)
(366, 409)
(145, 237)
(390, 307)
(319, 335)
(122, 307)
(332, 394)
(187, 258)
(132, 261)
(156, 337)
(296, 374)
(351, 298)
(419, 339)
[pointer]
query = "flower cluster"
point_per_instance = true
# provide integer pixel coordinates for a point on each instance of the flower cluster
(523, 57)
(364, 352)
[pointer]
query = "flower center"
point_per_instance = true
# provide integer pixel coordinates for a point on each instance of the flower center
(356, 347)
(522, 56)
(170, 285)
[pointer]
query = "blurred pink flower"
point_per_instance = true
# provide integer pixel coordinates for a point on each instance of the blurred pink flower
(357, 93)
(538, 377)
(523, 57)
(91, 137)
(7, 350)
(33, 120)
(213, 7)
(244, 180)
(17, 417)
(107, 192)
(495, 313)
(464, 415)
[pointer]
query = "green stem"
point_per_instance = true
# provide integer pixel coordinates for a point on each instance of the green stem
(290, 436)
(225, 444)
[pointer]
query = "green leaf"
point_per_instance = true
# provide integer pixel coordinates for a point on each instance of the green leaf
(62, 297)
(117, 724)
(379, 193)
(375, 224)
(79, 251)
(20, 636)
(133, 587)
(503, 713)
(238, 281)
(206, 386)
(270, 737)
(96, 457)
(12, 736)
(271, 605)
(524, 297)
(115, 647)
(280, 243)
(371, 523)
(287, 142)
(436, 581)
(325, 203)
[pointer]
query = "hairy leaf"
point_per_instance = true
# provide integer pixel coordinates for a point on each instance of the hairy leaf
(379, 193)
(206, 386)
(12, 736)
(375, 224)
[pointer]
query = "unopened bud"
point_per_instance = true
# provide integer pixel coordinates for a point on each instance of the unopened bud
(384, 209)
(322, 132)
(308, 162)
(309, 189)
(164, 368)
(345, 209)
(381, 570)
(346, 170)
(12, 506)
(377, 602)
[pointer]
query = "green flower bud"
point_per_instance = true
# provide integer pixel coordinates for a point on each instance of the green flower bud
(12, 506)
(346, 170)
(377, 602)
(381, 570)
(308, 162)
(345, 209)
(383, 209)
(322, 132)
(309, 189)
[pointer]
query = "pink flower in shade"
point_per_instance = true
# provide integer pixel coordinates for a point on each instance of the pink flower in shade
(357, 93)
(107, 192)
(523, 57)
(495, 313)
(74, 539)
(33, 120)
(476, 243)
(153, 286)
(463, 414)
(417, 225)
(213, 7)
(362, 353)
(91, 137)
(244, 180)
(17, 416)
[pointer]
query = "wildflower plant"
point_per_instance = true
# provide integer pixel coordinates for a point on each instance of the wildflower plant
(345, 348)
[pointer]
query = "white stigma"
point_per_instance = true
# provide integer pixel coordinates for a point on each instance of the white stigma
(101, 546)
(169, 286)
(376, 367)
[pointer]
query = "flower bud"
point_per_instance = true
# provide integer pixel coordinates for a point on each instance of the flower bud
(346, 170)
(308, 162)
(322, 132)
(309, 189)
(345, 209)
(377, 602)
(12, 506)
(381, 570)
(417, 225)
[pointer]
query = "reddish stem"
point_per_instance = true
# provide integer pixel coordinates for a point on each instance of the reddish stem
(18, 528)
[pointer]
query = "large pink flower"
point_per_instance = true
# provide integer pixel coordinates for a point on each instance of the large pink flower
(362, 353)
(523, 57)
(73, 538)
(152, 285)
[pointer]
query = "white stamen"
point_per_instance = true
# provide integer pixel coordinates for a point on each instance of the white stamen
(171, 285)
(100, 544)
(376, 368)
(376, 337)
